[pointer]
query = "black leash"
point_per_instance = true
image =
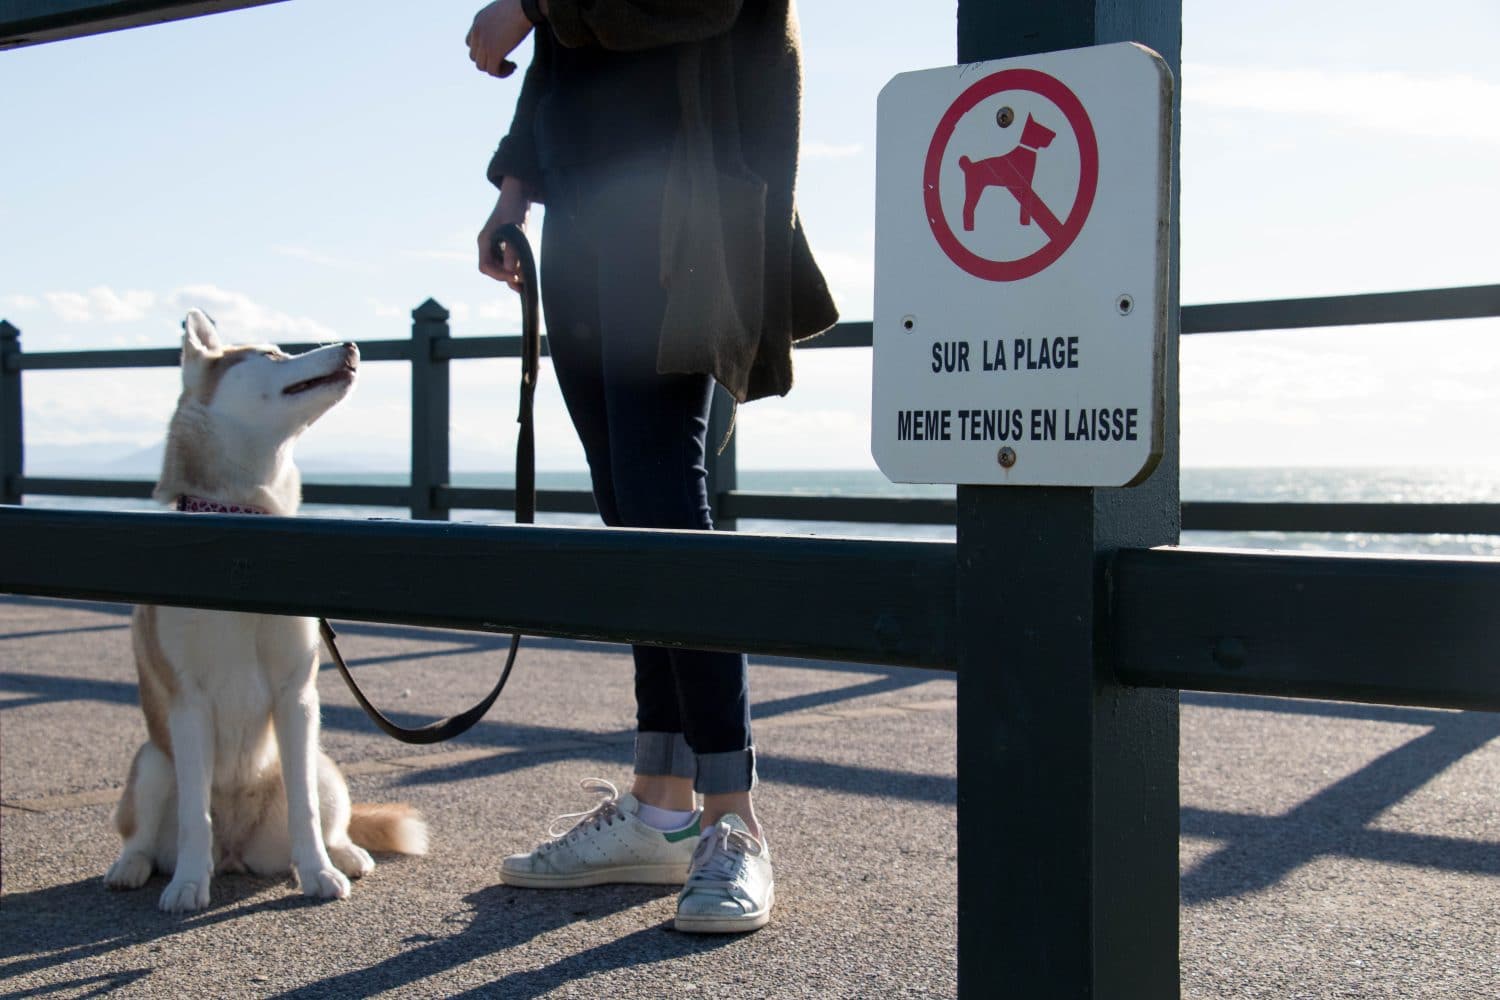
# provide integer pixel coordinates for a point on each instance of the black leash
(531, 351)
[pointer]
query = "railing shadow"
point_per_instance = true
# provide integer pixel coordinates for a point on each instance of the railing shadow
(1259, 851)
(504, 918)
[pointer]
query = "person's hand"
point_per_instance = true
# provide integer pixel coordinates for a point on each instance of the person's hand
(511, 206)
(497, 29)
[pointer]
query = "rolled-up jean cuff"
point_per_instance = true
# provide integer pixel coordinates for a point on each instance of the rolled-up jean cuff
(721, 773)
(664, 754)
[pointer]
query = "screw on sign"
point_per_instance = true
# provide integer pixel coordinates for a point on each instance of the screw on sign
(1015, 171)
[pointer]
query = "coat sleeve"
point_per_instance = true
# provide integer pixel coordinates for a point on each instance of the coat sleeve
(516, 155)
(629, 25)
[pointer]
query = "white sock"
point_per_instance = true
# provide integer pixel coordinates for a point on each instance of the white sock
(665, 819)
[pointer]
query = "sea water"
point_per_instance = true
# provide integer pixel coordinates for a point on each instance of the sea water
(1469, 484)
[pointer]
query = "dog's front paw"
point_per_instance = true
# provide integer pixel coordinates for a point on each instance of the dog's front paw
(184, 895)
(352, 860)
(130, 871)
(323, 881)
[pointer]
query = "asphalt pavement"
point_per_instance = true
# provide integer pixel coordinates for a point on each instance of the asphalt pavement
(1328, 850)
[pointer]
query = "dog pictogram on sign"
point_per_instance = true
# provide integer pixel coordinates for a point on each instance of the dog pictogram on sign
(972, 178)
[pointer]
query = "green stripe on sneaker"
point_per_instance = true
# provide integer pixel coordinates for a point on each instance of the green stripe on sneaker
(691, 830)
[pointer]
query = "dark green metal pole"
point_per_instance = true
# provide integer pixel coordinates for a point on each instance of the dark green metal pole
(1067, 793)
(12, 453)
(429, 412)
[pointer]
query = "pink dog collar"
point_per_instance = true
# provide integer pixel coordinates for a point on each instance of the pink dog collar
(198, 505)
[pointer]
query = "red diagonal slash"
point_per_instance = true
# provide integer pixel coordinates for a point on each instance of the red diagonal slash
(1032, 206)
(1004, 173)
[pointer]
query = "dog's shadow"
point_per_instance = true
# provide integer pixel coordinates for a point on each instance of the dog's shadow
(60, 925)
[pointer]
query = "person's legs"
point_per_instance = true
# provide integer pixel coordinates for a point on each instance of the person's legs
(571, 295)
(644, 434)
(616, 841)
(658, 425)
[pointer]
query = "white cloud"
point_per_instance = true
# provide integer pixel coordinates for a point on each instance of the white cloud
(19, 302)
(241, 318)
(101, 305)
(1395, 104)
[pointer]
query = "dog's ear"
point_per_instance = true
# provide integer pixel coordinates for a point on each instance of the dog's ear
(200, 344)
(199, 336)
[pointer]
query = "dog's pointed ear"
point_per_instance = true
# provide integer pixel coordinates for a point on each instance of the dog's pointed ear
(200, 345)
(199, 336)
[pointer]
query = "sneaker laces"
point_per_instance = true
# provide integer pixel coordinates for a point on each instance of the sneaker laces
(566, 828)
(720, 857)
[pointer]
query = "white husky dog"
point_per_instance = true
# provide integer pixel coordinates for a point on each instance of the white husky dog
(232, 778)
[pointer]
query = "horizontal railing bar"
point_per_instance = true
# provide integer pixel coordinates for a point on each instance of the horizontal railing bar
(859, 600)
(1473, 302)
(855, 334)
(470, 348)
(1390, 631)
(859, 509)
(169, 357)
(496, 498)
(122, 489)
(1197, 515)
(30, 22)
(356, 495)
(140, 357)
(1373, 518)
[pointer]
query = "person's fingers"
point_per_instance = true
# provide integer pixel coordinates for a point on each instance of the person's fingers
(488, 264)
(505, 268)
(513, 268)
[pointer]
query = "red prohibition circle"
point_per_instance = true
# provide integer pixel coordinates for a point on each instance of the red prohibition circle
(1068, 103)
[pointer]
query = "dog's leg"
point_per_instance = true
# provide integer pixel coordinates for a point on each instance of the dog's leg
(145, 804)
(295, 714)
(973, 187)
(191, 725)
(333, 798)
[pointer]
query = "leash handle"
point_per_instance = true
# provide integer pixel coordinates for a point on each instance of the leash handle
(525, 503)
(510, 235)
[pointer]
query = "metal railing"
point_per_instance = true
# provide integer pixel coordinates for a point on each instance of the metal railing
(1071, 636)
(432, 495)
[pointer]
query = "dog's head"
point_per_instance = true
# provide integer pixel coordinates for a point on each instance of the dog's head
(257, 387)
(241, 409)
(1036, 135)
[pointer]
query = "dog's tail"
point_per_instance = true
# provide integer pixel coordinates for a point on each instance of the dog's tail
(388, 828)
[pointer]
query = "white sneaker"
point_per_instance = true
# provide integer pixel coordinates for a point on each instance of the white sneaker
(729, 888)
(608, 843)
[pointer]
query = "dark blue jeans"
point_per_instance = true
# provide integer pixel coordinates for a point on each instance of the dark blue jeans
(643, 434)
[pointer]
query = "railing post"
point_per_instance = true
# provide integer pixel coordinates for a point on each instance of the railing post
(429, 412)
(12, 452)
(723, 474)
(1067, 780)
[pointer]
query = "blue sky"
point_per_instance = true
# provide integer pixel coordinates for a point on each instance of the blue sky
(315, 169)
